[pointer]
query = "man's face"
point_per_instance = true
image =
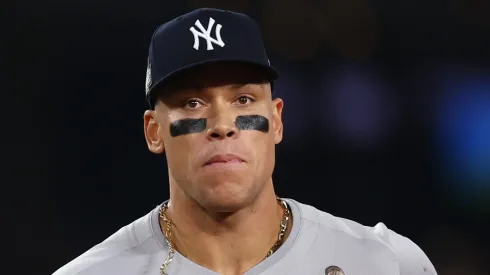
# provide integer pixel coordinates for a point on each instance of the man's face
(218, 128)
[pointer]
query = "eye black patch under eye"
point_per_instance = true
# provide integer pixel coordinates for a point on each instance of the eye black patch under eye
(187, 126)
(252, 122)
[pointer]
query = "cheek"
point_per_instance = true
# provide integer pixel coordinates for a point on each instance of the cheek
(265, 158)
(262, 146)
(180, 151)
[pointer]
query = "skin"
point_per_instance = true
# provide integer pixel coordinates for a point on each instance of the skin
(225, 217)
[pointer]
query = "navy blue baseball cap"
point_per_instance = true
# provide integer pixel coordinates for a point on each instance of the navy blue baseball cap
(204, 36)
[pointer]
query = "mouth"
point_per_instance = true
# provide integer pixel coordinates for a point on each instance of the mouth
(224, 160)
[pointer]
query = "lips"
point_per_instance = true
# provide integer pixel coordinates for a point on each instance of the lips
(224, 159)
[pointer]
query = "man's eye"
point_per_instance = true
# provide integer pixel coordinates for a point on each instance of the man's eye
(244, 100)
(193, 104)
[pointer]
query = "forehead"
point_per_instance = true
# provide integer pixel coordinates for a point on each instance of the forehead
(213, 75)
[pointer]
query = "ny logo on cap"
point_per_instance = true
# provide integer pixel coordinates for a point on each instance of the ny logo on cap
(206, 34)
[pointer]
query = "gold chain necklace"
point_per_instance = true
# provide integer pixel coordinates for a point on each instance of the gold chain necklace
(171, 250)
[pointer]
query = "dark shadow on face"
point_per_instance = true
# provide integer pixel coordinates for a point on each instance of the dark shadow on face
(213, 75)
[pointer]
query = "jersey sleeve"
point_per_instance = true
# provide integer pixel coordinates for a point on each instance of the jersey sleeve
(411, 259)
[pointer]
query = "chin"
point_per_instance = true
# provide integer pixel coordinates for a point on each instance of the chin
(226, 196)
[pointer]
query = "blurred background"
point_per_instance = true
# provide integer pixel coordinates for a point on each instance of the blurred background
(387, 118)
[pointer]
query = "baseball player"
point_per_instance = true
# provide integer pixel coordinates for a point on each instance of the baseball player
(212, 113)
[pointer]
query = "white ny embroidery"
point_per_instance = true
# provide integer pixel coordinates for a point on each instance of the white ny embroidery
(206, 35)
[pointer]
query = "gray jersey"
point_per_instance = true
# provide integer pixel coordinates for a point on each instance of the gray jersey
(318, 241)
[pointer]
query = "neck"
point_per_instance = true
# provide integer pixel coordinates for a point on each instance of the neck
(228, 243)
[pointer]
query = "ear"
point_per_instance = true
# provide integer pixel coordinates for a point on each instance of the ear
(277, 126)
(153, 139)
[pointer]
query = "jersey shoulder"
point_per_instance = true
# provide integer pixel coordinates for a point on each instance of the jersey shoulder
(410, 257)
(126, 251)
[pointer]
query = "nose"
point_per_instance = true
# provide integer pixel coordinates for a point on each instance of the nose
(223, 128)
